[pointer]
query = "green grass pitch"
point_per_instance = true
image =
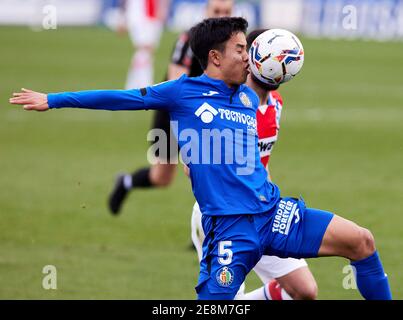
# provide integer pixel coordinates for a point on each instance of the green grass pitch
(340, 146)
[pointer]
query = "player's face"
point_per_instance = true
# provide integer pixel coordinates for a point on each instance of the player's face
(219, 8)
(234, 64)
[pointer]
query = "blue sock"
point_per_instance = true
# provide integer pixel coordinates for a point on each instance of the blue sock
(372, 281)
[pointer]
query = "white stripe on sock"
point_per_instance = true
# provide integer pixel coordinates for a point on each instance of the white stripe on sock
(127, 181)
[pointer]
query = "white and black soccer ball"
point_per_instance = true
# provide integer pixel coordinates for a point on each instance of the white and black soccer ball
(276, 56)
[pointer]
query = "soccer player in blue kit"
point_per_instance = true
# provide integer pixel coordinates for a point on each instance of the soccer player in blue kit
(244, 215)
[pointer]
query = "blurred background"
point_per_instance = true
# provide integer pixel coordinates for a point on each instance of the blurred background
(340, 146)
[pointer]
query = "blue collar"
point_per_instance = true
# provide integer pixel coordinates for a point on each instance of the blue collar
(220, 84)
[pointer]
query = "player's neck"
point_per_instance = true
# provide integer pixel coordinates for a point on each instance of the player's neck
(217, 74)
(262, 93)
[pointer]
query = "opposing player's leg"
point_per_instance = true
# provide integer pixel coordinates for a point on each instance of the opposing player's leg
(300, 284)
(157, 175)
(196, 230)
(284, 279)
(292, 230)
(160, 174)
(272, 290)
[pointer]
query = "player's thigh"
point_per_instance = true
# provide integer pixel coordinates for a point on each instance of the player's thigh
(292, 230)
(346, 239)
(230, 250)
(272, 267)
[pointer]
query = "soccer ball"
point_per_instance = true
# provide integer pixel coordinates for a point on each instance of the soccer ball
(276, 56)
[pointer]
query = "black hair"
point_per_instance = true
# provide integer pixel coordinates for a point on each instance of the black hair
(212, 34)
(253, 35)
(249, 39)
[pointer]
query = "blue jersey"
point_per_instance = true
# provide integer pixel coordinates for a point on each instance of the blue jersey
(216, 132)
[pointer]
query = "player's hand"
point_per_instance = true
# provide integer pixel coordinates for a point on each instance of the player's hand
(31, 100)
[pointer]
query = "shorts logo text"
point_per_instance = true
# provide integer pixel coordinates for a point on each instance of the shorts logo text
(282, 220)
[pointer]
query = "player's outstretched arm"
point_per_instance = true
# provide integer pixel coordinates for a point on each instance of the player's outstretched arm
(30, 100)
(91, 99)
(161, 96)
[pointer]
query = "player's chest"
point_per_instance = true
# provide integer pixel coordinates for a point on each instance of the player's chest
(221, 112)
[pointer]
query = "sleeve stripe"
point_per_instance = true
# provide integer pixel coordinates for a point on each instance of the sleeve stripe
(143, 91)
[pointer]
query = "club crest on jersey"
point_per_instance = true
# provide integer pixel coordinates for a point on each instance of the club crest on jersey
(225, 276)
(245, 100)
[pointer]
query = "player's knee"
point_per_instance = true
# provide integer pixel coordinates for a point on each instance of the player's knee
(162, 175)
(368, 243)
(364, 246)
(162, 180)
(307, 291)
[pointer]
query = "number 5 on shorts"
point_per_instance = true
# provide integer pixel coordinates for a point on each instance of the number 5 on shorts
(225, 254)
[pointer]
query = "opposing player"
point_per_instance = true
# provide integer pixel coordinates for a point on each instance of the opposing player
(244, 215)
(162, 172)
(283, 279)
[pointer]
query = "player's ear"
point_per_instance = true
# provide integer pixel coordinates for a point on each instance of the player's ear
(215, 57)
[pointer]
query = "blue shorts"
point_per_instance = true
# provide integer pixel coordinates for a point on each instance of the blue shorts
(235, 243)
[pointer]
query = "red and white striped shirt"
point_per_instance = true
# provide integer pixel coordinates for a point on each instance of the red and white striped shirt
(268, 125)
(151, 8)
